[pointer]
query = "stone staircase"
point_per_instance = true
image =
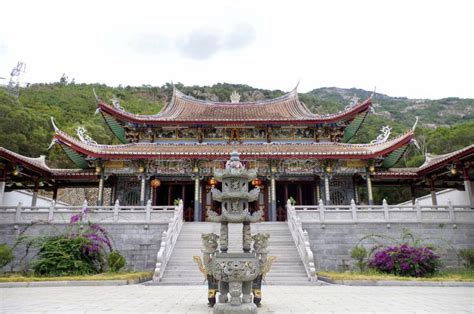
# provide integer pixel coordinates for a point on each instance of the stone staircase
(288, 268)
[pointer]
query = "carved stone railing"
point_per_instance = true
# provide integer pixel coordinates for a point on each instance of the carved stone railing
(104, 214)
(168, 241)
(385, 213)
(301, 239)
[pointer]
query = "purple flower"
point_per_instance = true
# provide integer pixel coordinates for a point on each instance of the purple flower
(75, 219)
(405, 260)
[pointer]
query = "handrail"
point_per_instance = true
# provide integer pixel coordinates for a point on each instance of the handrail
(168, 241)
(301, 239)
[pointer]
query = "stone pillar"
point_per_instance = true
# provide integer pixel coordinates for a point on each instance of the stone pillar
(34, 199)
(273, 197)
(100, 196)
(467, 186)
(370, 196)
(224, 237)
(326, 190)
(434, 200)
(246, 237)
(142, 189)
(2, 191)
(55, 193)
(413, 193)
(356, 193)
(318, 193)
(197, 205)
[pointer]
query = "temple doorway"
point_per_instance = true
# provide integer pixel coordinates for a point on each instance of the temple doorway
(168, 192)
(303, 192)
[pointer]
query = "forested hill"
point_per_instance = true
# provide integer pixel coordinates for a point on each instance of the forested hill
(25, 122)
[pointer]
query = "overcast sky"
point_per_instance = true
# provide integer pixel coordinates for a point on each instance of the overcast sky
(418, 49)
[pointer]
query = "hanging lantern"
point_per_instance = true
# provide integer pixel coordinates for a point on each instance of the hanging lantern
(15, 172)
(141, 169)
(257, 182)
(155, 183)
(212, 182)
(328, 169)
(98, 170)
(371, 169)
(453, 170)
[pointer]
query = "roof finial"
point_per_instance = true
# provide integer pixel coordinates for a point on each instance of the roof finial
(414, 125)
(53, 141)
(373, 93)
(56, 129)
(95, 95)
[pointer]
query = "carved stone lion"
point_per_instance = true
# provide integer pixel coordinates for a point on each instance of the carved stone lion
(260, 243)
(210, 240)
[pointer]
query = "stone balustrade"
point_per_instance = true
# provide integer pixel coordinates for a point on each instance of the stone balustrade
(104, 214)
(385, 213)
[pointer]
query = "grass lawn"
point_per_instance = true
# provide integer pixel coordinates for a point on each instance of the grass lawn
(129, 276)
(460, 275)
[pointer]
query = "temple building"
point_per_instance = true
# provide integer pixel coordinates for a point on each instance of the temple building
(298, 155)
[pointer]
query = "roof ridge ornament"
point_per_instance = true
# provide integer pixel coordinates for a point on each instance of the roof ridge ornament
(116, 103)
(353, 102)
(383, 136)
(235, 97)
(86, 139)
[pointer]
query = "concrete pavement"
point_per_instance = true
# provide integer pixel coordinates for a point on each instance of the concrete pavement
(276, 299)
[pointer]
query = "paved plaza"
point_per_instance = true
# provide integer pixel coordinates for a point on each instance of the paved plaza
(277, 299)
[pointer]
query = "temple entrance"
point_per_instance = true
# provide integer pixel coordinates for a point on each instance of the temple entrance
(168, 192)
(304, 193)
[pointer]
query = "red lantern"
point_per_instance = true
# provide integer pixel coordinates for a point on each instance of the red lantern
(212, 182)
(257, 182)
(155, 183)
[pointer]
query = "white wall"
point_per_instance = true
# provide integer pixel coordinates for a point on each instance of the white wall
(12, 199)
(455, 196)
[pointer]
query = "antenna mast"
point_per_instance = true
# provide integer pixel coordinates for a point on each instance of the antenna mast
(14, 83)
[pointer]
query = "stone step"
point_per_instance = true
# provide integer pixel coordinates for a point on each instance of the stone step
(286, 270)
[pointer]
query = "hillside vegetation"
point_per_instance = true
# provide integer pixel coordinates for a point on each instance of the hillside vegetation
(25, 125)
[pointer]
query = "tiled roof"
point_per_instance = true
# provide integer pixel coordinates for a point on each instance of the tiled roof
(39, 165)
(432, 163)
(209, 151)
(435, 161)
(186, 109)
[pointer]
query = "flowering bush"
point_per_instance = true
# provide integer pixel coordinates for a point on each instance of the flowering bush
(81, 249)
(405, 260)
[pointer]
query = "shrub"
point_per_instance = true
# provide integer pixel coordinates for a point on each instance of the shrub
(468, 256)
(78, 251)
(62, 255)
(6, 255)
(115, 261)
(359, 253)
(405, 260)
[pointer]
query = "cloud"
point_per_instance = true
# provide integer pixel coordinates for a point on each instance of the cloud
(150, 43)
(203, 44)
(200, 45)
(241, 36)
(3, 48)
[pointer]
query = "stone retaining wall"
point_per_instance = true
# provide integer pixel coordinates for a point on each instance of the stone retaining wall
(138, 242)
(331, 243)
